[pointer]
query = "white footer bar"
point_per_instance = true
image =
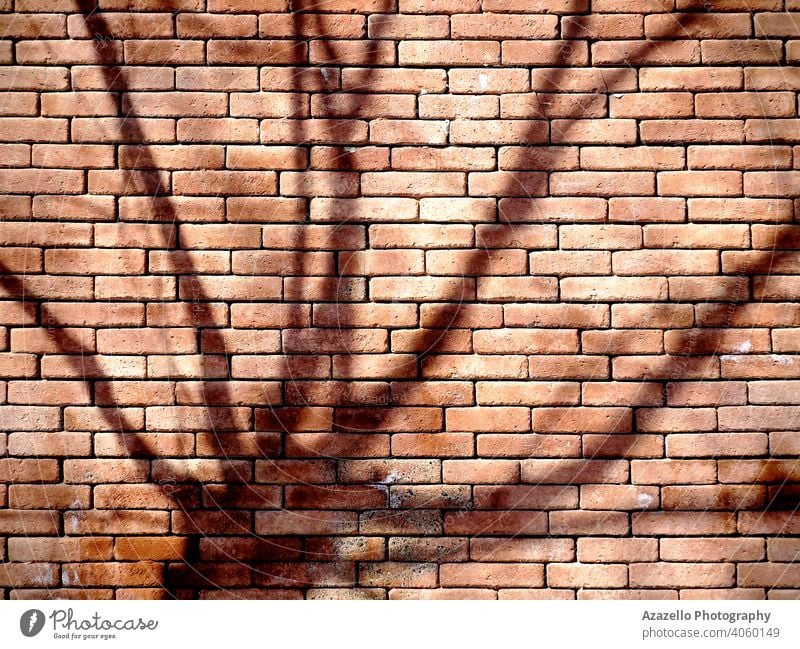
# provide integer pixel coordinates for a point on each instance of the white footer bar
(399, 625)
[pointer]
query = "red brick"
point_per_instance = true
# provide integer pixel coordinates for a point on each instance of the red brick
(735, 51)
(171, 209)
(94, 261)
(142, 444)
(172, 157)
(33, 78)
(693, 26)
(318, 183)
(646, 210)
(428, 393)
(427, 549)
(276, 104)
(699, 183)
(506, 522)
(29, 574)
(33, 129)
(493, 575)
(421, 236)
(714, 498)
(73, 156)
(177, 52)
(712, 549)
(432, 445)
(261, 157)
(707, 131)
(683, 523)
(350, 159)
(16, 155)
(114, 130)
(216, 78)
(528, 445)
(303, 25)
(140, 573)
(602, 26)
(459, 106)
(448, 52)
(266, 52)
(440, 6)
(657, 53)
(767, 523)
(686, 575)
(351, 52)
(586, 523)
(98, 77)
(608, 550)
(47, 181)
(576, 575)
(21, 260)
(545, 52)
(46, 392)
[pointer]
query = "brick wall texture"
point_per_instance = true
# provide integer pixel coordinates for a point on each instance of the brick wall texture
(399, 299)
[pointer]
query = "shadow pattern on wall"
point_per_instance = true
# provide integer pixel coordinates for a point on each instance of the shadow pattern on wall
(305, 460)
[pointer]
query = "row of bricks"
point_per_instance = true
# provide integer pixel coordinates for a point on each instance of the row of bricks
(422, 522)
(427, 53)
(396, 80)
(418, 184)
(405, 548)
(425, 473)
(382, 131)
(376, 26)
(289, 244)
(398, 393)
(749, 577)
(402, 366)
(404, 445)
(652, 446)
(401, 27)
(492, 94)
(485, 25)
(281, 239)
(239, 209)
(376, 263)
(390, 316)
(686, 497)
(749, 157)
(770, 288)
(499, 419)
(716, 48)
(167, 341)
(429, 289)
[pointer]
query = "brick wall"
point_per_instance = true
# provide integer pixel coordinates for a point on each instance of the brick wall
(399, 298)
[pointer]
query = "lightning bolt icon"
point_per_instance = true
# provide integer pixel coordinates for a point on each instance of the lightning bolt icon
(32, 621)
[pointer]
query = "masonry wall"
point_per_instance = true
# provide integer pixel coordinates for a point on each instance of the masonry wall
(399, 298)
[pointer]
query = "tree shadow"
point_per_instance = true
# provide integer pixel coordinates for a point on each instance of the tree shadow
(291, 500)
